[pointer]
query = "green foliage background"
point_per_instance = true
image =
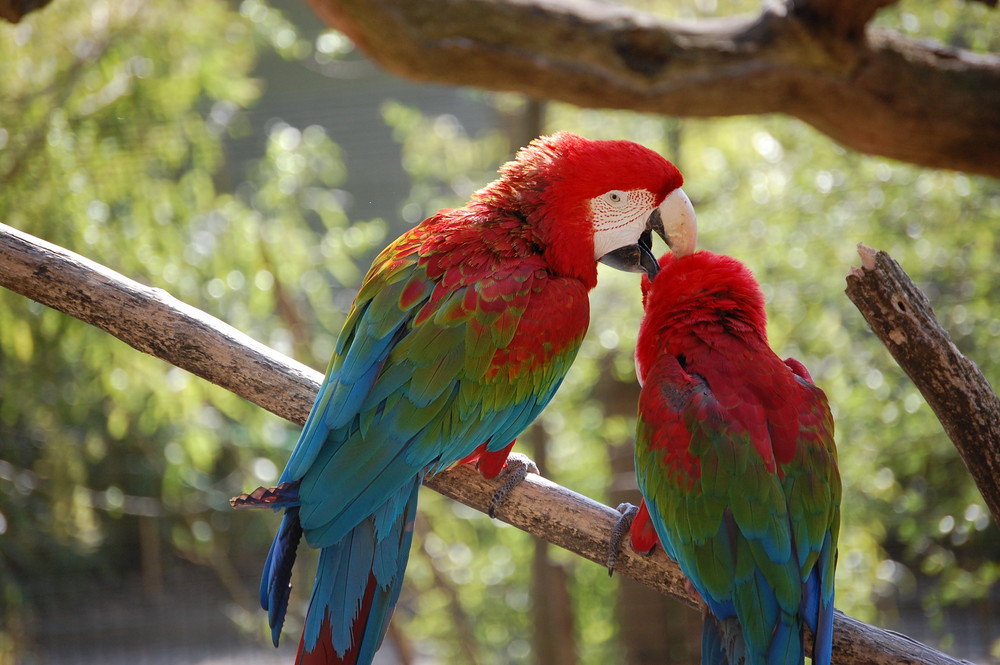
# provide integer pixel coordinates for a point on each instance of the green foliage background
(114, 119)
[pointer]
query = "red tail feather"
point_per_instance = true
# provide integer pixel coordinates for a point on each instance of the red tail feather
(644, 537)
(492, 463)
(323, 653)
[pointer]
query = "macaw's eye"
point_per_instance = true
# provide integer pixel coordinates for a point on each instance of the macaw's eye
(616, 196)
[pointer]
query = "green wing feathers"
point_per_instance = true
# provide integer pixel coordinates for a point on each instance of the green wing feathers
(747, 531)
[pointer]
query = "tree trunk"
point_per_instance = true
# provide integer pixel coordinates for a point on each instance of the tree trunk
(554, 638)
(654, 628)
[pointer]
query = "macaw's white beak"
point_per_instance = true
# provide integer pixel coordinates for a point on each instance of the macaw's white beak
(674, 221)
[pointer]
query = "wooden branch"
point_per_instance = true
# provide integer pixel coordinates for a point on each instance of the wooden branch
(871, 89)
(152, 321)
(954, 387)
(583, 526)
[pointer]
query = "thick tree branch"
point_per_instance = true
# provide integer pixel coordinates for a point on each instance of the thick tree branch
(954, 387)
(817, 60)
(872, 90)
(152, 321)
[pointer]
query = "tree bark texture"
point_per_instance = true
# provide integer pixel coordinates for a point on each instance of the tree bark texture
(869, 88)
(962, 399)
(152, 321)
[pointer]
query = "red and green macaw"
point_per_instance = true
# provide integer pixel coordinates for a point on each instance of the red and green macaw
(461, 333)
(736, 463)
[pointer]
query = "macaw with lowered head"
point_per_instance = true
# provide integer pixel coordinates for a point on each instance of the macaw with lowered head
(462, 331)
(736, 463)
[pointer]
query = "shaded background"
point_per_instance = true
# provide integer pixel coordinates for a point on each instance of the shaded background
(251, 163)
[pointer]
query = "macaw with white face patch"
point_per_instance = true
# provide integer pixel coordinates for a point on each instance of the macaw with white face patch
(461, 333)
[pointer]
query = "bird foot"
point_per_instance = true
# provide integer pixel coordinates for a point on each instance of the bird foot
(622, 526)
(282, 496)
(514, 472)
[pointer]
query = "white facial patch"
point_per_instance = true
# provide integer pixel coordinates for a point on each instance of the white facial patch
(619, 218)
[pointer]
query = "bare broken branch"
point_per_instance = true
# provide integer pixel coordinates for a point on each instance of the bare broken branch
(962, 399)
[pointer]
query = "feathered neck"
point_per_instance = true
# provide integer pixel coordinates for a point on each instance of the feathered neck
(535, 187)
(700, 303)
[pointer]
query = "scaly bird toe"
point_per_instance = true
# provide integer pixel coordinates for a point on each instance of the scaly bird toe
(517, 469)
(622, 526)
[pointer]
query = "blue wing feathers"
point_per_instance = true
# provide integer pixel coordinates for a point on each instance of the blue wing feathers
(821, 587)
(391, 381)
(410, 391)
(347, 398)
(328, 517)
(309, 443)
(387, 516)
(336, 403)
(364, 352)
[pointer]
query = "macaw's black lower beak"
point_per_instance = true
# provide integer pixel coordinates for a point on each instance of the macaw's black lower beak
(646, 258)
(639, 257)
(634, 258)
(655, 223)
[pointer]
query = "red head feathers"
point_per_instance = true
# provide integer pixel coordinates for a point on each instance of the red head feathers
(584, 199)
(698, 296)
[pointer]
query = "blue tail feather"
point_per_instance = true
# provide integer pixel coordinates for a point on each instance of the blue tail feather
(823, 646)
(722, 642)
(786, 642)
(819, 595)
(713, 651)
(388, 594)
(275, 582)
(358, 581)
